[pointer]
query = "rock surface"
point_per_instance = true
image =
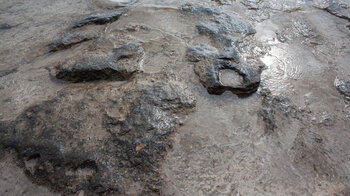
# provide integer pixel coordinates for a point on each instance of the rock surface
(119, 66)
(177, 97)
(99, 19)
(101, 140)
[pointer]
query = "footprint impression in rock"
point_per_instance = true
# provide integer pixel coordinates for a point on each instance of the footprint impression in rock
(103, 137)
(218, 62)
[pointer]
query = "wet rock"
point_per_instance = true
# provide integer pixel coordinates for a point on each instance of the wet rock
(298, 28)
(310, 155)
(70, 40)
(276, 109)
(340, 10)
(251, 4)
(119, 66)
(5, 26)
(209, 64)
(101, 140)
(223, 29)
(198, 53)
(342, 86)
(268, 116)
(136, 27)
(99, 19)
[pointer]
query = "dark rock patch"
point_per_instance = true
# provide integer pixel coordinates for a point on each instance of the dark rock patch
(268, 116)
(209, 63)
(340, 10)
(70, 40)
(310, 155)
(5, 26)
(251, 4)
(276, 109)
(7, 72)
(119, 66)
(225, 30)
(343, 87)
(98, 19)
(199, 10)
(101, 140)
(221, 31)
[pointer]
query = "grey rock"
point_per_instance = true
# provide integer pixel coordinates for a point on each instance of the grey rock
(119, 66)
(70, 40)
(217, 33)
(251, 4)
(268, 116)
(99, 19)
(5, 26)
(221, 30)
(99, 140)
(340, 10)
(7, 72)
(209, 64)
(199, 10)
(198, 53)
(342, 86)
(283, 37)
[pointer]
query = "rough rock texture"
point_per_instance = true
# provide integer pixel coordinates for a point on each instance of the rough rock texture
(209, 64)
(5, 26)
(227, 32)
(342, 86)
(119, 66)
(7, 72)
(70, 40)
(98, 19)
(101, 140)
(120, 105)
(339, 9)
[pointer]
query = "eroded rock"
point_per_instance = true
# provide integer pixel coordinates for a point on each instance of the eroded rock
(99, 19)
(339, 9)
(70, 40)
(209, 64)
(343, 87)
(7, 72)
(119, 66)
(252, 4)
(199, 10)
(101, 140)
